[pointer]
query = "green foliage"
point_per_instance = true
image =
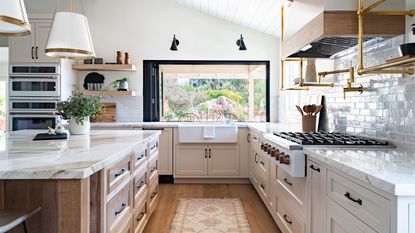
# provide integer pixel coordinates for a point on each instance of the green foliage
(214, 94)
(116, 83)
(79, 106)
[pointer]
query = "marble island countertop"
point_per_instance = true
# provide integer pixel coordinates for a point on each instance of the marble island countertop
(78, 157)
(390, 170)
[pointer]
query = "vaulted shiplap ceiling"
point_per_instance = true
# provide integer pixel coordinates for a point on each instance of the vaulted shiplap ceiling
(260, 15)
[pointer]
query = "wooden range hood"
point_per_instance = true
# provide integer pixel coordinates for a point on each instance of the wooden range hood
(333, 31)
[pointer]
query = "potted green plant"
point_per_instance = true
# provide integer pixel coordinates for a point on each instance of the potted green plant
(120, 84)
(77, 110)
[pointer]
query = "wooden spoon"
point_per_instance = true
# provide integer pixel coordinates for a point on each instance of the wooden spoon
(318, 109)
(300, 110)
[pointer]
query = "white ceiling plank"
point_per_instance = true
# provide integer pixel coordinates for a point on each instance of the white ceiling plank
(259, 15)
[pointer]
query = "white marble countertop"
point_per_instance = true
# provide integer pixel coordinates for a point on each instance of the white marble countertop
(391, 170)
(75, 158)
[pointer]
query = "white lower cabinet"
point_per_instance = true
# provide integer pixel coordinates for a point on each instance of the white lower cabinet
(316, 189)
(339, 220)
(201, 160)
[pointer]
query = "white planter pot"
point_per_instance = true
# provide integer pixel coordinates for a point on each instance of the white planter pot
(78, 129)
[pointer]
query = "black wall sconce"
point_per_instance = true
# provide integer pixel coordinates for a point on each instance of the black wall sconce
(241, 43)
(174, 44)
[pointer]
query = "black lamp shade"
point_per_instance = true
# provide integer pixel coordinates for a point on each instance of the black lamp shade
(174, 43)
(241, 44)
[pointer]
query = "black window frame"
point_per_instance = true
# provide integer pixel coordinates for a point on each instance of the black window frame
(151, 82)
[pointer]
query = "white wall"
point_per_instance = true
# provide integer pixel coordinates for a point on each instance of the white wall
(145, 28)
(410, 4)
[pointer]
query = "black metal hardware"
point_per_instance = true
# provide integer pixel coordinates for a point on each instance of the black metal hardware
(141, 216)
(262, 162)
(33, 56)
(153, 169)
(256, 154)
(288, 182)
(141, 157)
(349, 196)
(210, 153)
(140, 185)
(153, 194)
(37, 55)
(205, 153)
(262, 186)
(248, 137)
(121, 209)
(287, 220)
(119, 173)
(314, 168)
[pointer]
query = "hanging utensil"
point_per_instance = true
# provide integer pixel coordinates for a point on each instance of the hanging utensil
(318, 109)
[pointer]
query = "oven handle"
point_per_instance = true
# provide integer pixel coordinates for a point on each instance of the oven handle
(28, 114)
(37, 78)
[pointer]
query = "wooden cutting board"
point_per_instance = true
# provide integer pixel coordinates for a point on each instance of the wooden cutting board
(107, 114)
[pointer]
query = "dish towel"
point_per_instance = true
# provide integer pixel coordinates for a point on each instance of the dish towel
(209, 132)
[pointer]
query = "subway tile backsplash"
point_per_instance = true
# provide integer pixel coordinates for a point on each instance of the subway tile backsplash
(385, 109)
(129, 109)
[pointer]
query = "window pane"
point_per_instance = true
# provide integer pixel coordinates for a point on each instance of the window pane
(2, 106)
(213, 97)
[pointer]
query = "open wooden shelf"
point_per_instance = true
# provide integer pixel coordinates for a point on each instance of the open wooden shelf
(108, 93)
(104, 67)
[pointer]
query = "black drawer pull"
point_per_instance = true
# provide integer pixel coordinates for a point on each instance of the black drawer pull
(153, 169)
(314, 168)
(288, 182)
(119, 173)
(140, 185)
(121, 209)
(140, 157)
(153, 194)
(262, 162)
(349, 196)
(153, 147)
(262, 186)
(256, 154)
(140, 216)
(287, 220)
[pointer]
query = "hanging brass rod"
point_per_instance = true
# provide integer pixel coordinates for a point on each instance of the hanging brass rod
(372, 6)
(317, 85)
(389, 65)
(325, 73)
(409, 71)
(393, 13)
(296, 88)
(360, 34)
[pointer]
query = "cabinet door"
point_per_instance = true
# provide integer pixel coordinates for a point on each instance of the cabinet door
(316, 193)
(166, 152)
(339, 220)
(191, 161)
(42, 33)
(254, 142)
(224, 160)
(22, 48)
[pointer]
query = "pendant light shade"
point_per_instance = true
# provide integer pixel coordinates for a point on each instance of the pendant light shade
(13, 19)
(69, 37)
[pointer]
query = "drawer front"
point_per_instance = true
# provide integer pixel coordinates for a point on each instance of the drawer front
(154, 147)
(140, 156)
(127, 228)
(263, 184)
(118, 173)
(366, 205)
(263, 161)
(339, 220)
(288, 221)
(153, 199)
(140, 217)
(140, 187)
(119, 209)
(295, 186)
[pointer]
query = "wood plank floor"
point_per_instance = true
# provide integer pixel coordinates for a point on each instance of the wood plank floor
(258, 216)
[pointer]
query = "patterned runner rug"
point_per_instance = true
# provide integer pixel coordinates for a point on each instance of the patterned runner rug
(210, 216)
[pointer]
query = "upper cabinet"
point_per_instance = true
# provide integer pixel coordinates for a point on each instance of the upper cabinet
(31, 48)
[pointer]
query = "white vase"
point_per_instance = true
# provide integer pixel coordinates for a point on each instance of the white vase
(79, 129)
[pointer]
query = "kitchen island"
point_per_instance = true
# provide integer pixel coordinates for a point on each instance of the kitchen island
(102, 182)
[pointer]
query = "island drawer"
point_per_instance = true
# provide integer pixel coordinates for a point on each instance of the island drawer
(140, 217)
(366, 205)
(140, 187)
(118, 173)
(153, 146)
(140, 156)
(288, 221)
(119, 208)
(294, 187)
(153, 199)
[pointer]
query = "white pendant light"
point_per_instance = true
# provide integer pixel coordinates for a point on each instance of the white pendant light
(13, 19)
(69, 36)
